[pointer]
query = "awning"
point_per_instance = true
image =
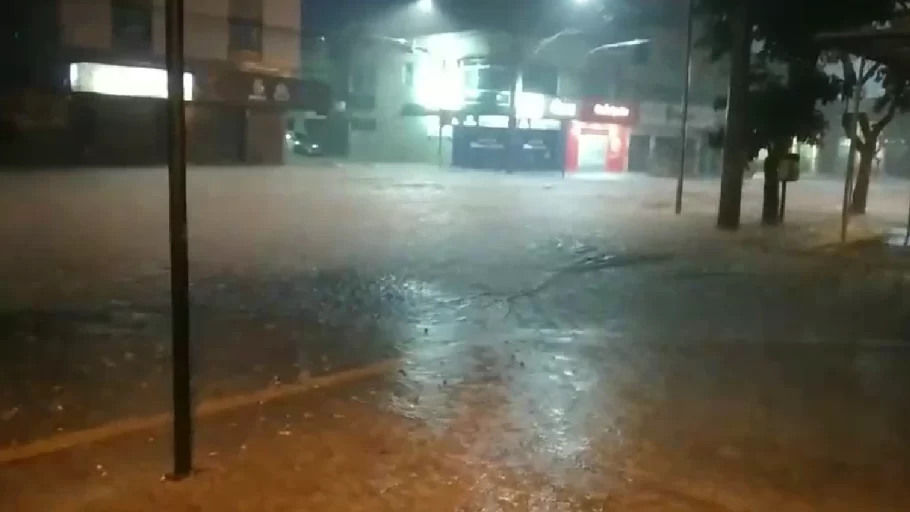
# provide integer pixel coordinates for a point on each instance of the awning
(888, 46)
(257, 90)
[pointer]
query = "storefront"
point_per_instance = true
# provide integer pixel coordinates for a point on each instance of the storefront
(598, 139)
(481, 139)
(117, 113)
(255, 107)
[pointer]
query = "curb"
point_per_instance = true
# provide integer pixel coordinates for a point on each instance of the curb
(70, 440)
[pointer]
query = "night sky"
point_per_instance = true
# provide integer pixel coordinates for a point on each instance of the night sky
(320, 15)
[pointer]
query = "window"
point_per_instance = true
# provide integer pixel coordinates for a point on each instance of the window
(245, 27)
(642, 54)
(245, 36)
(408, 77)
(363, 79)
(488, 78)
(359, 124)
(131, 23)
(361, 102)
(542, 79)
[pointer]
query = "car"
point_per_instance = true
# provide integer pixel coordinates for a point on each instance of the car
(300, 144)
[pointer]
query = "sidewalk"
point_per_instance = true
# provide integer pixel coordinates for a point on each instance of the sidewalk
(529, 429)
(336, 450)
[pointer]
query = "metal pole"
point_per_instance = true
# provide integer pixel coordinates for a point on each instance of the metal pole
(783, 202)
(848, 179)
(907, 236)
(687, 85)
(512, 147)
(180, 316)
(439, 142)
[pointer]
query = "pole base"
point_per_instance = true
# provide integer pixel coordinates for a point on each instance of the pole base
(175, 477)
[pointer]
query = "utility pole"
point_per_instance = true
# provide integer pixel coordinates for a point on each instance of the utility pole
(731, 183)
(687, 85)
(180, 315)
(439, 139)
(516, 56)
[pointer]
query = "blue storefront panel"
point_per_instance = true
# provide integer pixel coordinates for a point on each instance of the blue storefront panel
(481, 147)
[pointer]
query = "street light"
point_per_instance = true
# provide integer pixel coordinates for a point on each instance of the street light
(684, 124)
(619, 44)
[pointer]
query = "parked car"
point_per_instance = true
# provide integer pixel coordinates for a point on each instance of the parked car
(300, 144)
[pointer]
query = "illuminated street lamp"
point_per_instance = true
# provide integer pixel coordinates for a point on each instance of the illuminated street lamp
(425, 5)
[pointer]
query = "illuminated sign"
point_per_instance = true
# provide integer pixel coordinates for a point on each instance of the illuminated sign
(561, 108)
(124, 80)
(607, 110)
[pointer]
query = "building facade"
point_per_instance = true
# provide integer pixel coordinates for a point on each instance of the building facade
(652, 76)
(396, 88)
(402, 96)
(241, 79)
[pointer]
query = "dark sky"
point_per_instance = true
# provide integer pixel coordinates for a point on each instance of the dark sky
(320, 15)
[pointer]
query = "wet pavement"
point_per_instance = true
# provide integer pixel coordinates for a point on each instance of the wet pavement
(578, 327)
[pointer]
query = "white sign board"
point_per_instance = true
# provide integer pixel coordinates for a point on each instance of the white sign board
(607, 110)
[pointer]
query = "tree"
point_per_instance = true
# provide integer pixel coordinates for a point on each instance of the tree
(784, 33)
(784, 107)
(867, 138)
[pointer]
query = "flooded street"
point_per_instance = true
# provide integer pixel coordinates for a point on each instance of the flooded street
(556, 345)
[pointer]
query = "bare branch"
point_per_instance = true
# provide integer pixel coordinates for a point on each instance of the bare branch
(870, 72)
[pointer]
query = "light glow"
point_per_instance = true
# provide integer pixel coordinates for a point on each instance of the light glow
(561, 108)
(124, 80)
(530, 105)
(437, 84)
(425, 5)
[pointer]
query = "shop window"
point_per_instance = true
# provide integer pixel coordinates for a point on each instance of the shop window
(131, 23)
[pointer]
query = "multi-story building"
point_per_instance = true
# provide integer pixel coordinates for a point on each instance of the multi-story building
(652, 76)
(395, 89)
(241, 78)
(397, 73)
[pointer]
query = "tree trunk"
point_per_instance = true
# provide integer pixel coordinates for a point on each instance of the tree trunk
(770, 209)
(863, 177)
(734, 156)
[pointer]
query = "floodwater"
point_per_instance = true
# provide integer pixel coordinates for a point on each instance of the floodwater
(585, 328)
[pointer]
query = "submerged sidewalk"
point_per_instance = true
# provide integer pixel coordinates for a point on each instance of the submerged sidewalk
(523, 425)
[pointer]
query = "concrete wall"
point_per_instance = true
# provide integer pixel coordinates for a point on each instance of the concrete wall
(397, 138)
